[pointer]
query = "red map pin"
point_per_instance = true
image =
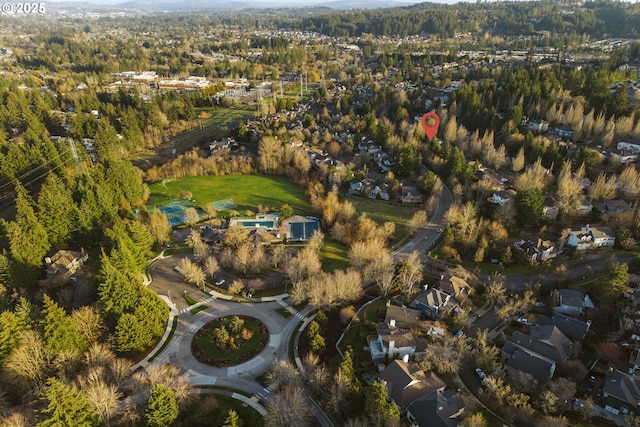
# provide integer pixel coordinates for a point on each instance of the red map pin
(430, 123)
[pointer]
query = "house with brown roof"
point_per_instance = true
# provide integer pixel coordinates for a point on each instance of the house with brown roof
(406, 382)
(63, 264)
(455, 286)
(403, 316)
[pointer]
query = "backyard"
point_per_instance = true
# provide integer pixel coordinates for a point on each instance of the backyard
(382, 212)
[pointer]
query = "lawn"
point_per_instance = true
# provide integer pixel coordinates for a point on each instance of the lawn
(237, 351)
(246, 191)
(382, 212)
(356, 336)
(334, 255)
(212, 409)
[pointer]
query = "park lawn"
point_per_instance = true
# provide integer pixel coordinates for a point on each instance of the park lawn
(203, 412)
(382, 212)
(246, 191)
(334, 255)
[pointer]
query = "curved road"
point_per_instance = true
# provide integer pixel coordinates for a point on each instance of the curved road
(170, 286)
(424, 240)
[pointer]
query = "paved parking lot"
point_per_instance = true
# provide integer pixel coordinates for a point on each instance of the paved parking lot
(169, 283)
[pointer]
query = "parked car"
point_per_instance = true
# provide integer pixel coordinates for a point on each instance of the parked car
(459, 333)
(220, 282)
(481, 374)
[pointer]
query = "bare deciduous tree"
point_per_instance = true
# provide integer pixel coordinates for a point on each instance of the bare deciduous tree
(418, 221)
(410, 274)
(288, 407)
(194, 241)
(159, 226)
(211, 266)
(191, 217)
(192, 272)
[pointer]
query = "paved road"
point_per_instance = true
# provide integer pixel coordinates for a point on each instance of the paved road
(424, 240)
(167, 282)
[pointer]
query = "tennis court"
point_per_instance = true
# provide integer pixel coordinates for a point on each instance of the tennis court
(171, 209)
(223, 205)
(176, 220)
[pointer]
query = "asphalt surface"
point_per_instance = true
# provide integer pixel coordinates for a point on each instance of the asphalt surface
(424, 240)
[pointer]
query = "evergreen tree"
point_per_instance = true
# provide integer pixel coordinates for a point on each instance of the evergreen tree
(232, 420)
(529, 205)
(67, 407)
(117, 292)
(162, 408)
(29, 241)
(379, 409)
(9, 329)
(57, 211)
(59, 331)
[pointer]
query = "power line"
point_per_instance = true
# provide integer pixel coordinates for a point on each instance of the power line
(21, 177)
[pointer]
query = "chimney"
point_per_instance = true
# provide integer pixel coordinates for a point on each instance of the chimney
(392, 322)
(392, 347)
(47, 260)
(405, 358)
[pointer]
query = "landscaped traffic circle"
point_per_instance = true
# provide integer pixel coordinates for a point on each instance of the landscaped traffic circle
(229, 340)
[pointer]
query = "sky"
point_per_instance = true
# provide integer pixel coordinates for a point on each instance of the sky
(267, 3)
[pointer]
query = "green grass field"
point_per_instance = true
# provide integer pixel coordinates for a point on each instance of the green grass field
(246, 191)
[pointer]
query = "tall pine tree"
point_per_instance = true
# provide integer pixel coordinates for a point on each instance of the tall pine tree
(59, 331)
(28, 238)
(57, 211)
(67, 407)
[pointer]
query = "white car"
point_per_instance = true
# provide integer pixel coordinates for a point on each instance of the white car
(220, 282)
(481, 374)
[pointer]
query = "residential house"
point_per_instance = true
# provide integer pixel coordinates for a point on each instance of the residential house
(403, 316)
(539, 367)
(63, 264)
(381, 192)
(572, 302)
(440, 408)
(550, 210)
(537, 250)
(455, 286)
(612, 207)
(361, 187)
(570, 326)
(432, 303)
(502, 197)
(538, 353)
(391, 341)
(410, 195)
(621, 393)
(591, 237)
(584, 206)
(538, 126)
(489, 180)
(406, 382)
(546, 340)
(629, 147)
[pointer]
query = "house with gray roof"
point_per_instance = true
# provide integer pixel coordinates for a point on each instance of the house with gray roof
(570, 326)
(546, 340)
(391, 341)
(537, 249)
(621, 393)
(433, 303)
(520, 359)
(572, 302)
(440, 408)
